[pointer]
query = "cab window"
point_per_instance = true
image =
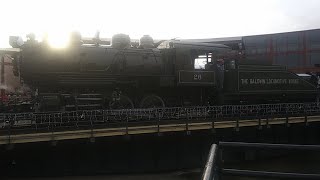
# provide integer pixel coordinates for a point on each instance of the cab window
(200, 61)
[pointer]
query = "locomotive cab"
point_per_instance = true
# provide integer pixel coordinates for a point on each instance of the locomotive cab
(198, 70)
(196, 64)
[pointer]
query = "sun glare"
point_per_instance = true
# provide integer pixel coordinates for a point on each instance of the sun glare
(163, 19)
(58, 40)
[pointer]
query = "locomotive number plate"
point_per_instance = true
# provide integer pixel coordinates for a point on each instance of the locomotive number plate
(197, 77)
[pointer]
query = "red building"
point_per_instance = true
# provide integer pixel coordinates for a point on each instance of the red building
(9, 83)
(299, 51)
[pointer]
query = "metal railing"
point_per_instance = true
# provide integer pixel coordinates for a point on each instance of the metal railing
(211, 169)
(131, 117)
(214, 171)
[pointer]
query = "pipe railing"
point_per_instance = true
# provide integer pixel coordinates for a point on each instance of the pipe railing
(268, 174)
(210, 170)
(269, 146)
(213, 170)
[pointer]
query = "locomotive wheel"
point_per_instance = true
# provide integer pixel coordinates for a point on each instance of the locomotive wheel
(124, 102)
(152, 101)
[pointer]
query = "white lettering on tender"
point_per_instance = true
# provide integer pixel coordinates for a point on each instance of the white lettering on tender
(244, 81)
(269, 81)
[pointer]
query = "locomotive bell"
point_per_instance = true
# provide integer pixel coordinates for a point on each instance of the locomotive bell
(146, 42)
(120, 41)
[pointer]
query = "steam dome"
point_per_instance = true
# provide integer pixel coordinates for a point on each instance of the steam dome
(146, 42)
(120, 41)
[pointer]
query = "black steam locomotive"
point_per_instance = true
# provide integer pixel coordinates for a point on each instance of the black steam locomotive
(167, 73)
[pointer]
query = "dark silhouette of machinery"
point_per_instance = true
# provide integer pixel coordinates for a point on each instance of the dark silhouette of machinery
(168, 73)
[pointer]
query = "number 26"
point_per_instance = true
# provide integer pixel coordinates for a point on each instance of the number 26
(197, 77)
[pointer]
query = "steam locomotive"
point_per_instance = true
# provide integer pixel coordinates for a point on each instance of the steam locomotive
(163, 74)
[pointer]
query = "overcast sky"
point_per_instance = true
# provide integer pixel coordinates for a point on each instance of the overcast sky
(162, 19)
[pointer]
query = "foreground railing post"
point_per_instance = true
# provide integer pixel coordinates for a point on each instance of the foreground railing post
(158, 124)
(127, 125)
(9, 130)
(305, 116)
(187, 121)
(211, 170)
(214, 117)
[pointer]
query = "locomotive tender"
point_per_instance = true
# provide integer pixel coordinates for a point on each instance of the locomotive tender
(168, 73)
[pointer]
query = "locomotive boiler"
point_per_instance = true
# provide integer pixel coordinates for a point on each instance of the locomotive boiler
(168, 73)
